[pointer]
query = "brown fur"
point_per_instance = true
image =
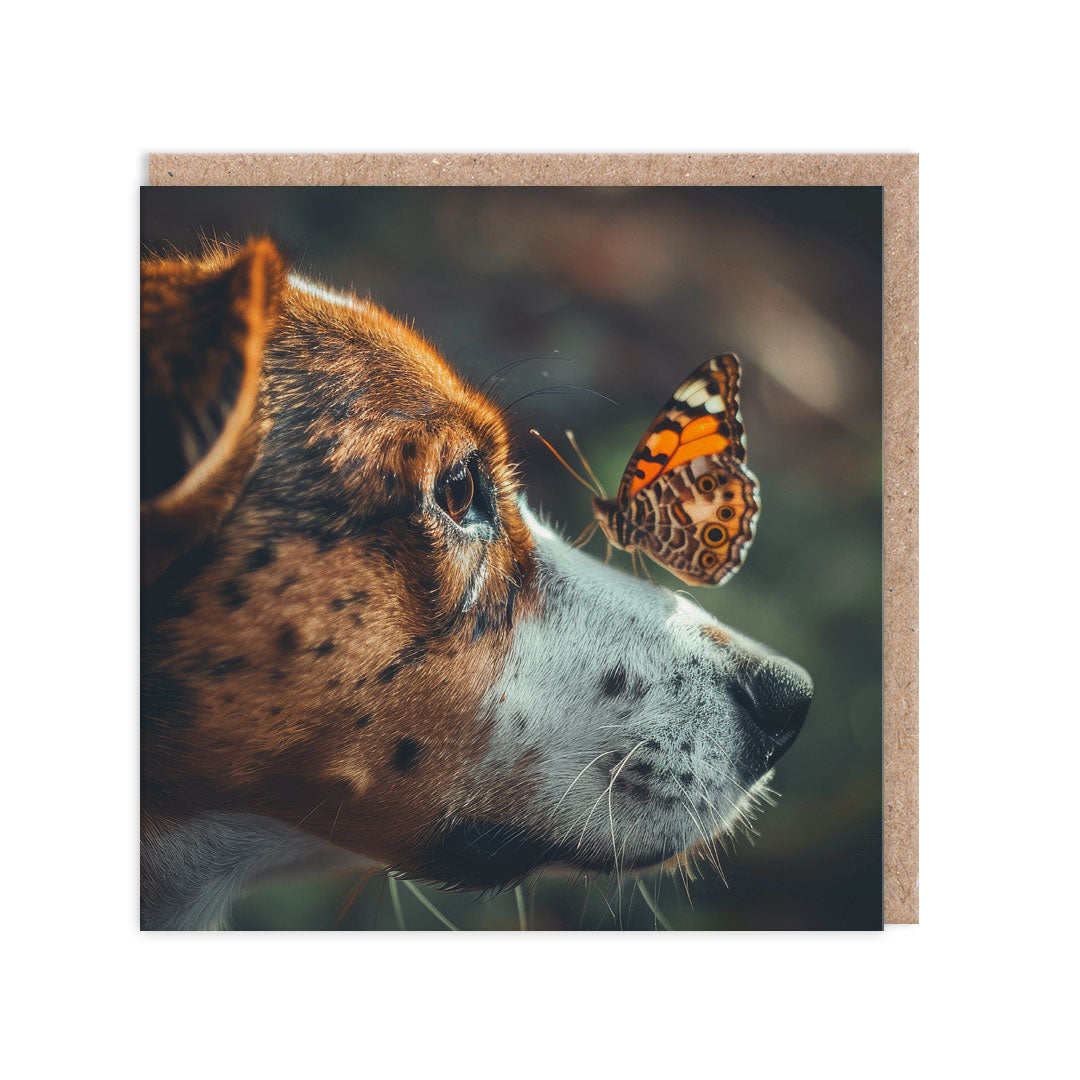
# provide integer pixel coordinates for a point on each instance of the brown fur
(306, 655)
(203, 328)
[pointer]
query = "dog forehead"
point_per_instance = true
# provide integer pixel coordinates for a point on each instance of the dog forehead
(364, 376)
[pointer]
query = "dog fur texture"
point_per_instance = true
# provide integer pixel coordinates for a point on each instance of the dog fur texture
(338, 666)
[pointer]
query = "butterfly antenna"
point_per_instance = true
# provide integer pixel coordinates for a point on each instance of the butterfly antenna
(588, 468)
(562, 461)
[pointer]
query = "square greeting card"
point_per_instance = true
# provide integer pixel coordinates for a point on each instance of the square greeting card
(512, 554)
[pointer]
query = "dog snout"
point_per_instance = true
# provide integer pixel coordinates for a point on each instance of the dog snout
(777, 696)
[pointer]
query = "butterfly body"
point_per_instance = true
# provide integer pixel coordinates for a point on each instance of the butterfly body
(687, 499)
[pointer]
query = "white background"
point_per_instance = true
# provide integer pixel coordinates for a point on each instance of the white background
(986, 95)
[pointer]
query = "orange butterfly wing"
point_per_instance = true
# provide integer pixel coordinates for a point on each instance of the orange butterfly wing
(701, 418)
(687, 498)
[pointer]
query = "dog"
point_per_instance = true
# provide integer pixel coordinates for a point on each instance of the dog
(359, 643)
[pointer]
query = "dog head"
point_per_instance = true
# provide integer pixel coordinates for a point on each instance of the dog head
(353, 624)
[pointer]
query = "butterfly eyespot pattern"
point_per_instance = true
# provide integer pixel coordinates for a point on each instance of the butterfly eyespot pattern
(714, 536)
(686, 476)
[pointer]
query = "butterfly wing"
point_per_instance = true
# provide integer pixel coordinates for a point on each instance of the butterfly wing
(690, 501)
(702, 417)
(698, 519)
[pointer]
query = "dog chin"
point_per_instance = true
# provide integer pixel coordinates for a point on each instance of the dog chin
(477, 854)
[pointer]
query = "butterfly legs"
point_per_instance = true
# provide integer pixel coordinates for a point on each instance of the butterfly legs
(586, 534)
(645, 569)
(638, 557)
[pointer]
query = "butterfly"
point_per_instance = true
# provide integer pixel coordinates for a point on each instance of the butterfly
(687, 499)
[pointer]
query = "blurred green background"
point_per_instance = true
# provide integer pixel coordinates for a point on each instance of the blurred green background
(625, 291)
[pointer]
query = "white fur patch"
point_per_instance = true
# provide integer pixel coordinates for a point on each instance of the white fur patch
(617, 679)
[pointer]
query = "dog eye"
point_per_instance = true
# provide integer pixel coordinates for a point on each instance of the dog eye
(456, 494)
(467, 496)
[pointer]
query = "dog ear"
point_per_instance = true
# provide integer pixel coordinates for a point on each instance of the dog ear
(204, 326)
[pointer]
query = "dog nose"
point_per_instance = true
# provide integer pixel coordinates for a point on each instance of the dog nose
(778, 694)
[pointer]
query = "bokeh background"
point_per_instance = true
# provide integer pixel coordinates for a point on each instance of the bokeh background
(624, 291)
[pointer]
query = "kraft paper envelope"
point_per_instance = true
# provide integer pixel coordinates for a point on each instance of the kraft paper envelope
(897, 175)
